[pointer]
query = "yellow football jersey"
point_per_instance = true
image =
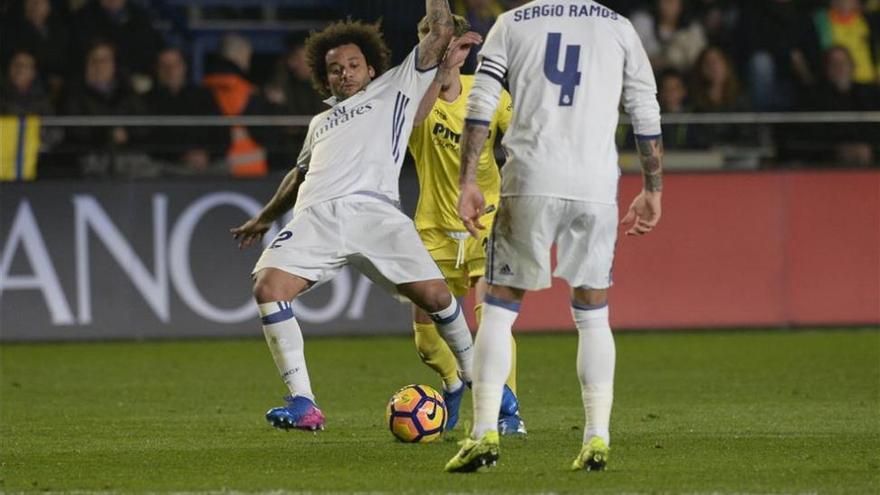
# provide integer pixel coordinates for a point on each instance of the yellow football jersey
(435, 146)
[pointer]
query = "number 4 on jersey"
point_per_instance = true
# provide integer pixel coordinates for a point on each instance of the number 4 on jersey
(570, 77)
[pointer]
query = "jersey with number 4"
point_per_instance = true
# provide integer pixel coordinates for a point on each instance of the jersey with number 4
(569, 65)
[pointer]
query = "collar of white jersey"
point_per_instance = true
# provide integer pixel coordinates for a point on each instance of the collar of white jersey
(333, 101)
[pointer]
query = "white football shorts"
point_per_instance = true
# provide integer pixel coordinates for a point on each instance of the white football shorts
(372, 235)
(525, 229)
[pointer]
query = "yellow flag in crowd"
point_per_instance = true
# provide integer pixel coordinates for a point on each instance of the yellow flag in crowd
(19, 146)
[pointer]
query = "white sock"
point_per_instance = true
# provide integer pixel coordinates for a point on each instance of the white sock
(453, 327)
(286, 345)
(452, 386)
(492, 363)
(595, 368)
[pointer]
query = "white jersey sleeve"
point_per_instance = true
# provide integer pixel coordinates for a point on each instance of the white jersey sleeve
(493, 54)
(640, 88)
(490, 77)
(408, 77)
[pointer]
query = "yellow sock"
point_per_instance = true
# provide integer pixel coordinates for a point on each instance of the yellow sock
(511, 378)
(435, 353)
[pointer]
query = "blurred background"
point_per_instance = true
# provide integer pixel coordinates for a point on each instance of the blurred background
(193, 58)
(134, 133)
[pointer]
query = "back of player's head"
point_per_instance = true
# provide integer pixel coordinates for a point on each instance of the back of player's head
(367, 37)
(461, 26)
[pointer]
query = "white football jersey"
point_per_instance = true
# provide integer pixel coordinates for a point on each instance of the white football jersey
(568, 63)
(358, 146)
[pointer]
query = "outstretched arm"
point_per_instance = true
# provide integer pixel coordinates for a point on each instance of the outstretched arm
(455, 55)
(285, 197)
(433, 46)
(644, 212)
(427, 104)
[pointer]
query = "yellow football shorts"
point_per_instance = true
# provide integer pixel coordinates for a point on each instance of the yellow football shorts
(444, 248)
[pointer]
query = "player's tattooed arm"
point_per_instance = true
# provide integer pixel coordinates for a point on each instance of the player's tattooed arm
(473, 139)
(644, 212)
(285, 197)
(471, 204)
(455, 55)
(651, 156)
(433, 46)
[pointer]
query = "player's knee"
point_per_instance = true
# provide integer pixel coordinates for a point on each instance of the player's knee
(437, 299)
(430, 296)
(590, 297)
(267, 289)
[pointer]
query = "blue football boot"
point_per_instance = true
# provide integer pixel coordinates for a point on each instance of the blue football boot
(453, 403)
(509, 422)
(300, 413)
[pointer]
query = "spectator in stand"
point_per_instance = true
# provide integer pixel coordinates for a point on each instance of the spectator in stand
(670, 37)
(291, 85)
(185, 150)
(778, 50)
(129, 28)
(291, 90)
(719, 18)
(45, 36)
(715, 85)
(481, 15)
(716, 88)
(850, 144)
(23, 93)
(845, 24)
(236, 95)
(106, 150)
(672, 93)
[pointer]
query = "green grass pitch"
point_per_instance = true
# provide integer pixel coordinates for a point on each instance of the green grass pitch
(715, 412)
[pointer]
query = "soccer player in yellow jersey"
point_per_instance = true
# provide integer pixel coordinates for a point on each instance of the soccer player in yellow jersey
(434, 144)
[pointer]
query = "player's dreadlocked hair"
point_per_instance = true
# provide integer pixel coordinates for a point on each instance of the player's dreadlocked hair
(368, 37)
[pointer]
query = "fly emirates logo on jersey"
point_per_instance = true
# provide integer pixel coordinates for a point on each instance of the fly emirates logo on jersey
(342, 115)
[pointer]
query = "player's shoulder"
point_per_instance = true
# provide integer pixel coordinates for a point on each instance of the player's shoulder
(409, 64)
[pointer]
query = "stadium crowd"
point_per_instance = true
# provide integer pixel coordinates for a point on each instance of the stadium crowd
(128, 57)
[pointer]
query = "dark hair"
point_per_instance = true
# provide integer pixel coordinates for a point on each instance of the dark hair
(684, 18)
(730, 91)
(367, 37)
(95, 43)
(670, 72)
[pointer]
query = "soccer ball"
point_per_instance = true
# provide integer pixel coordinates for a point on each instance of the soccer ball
(416, 413)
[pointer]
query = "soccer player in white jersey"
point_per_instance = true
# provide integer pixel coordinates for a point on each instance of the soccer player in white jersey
(569, 64)
(344, 194)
